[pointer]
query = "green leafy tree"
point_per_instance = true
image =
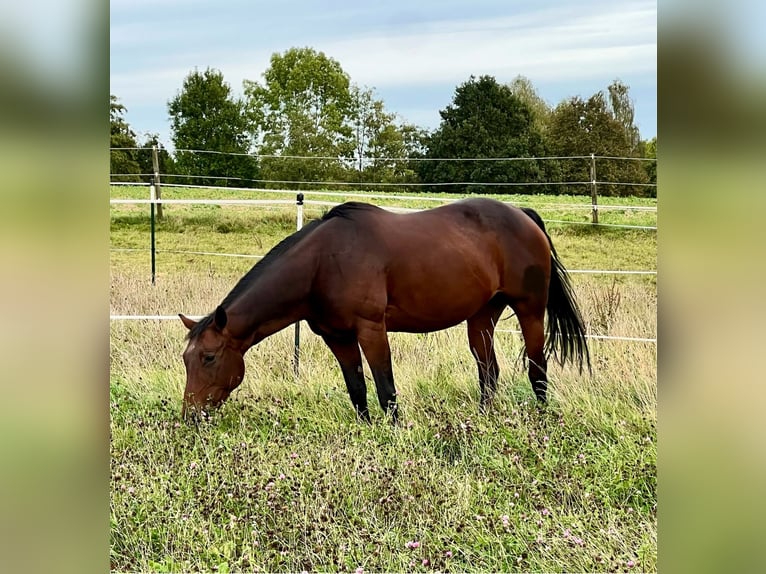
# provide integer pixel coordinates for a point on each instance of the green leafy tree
(583, 127)
(388, 147)
(522, 88)
(649, 151)
(364, 124)
(382, 144)
(415, 140)
(542, 112)
(303, 108)
(485, 120)
(414, 146)
(622, 109)
(123, 164)
(205, 116)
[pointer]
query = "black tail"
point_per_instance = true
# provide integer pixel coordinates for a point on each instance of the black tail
(566, 329)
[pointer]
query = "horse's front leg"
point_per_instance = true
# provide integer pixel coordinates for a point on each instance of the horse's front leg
(373, 339)
(350, 361)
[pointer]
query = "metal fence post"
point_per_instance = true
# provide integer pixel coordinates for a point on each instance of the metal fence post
(297, 347)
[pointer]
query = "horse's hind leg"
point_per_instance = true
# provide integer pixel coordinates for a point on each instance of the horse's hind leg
(350, 360)
(532, 321)
(481, 339)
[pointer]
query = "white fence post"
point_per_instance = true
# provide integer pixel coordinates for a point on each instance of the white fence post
(593, 196)
(156, 167)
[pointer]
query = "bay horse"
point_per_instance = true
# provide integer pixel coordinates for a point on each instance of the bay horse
(361, 272)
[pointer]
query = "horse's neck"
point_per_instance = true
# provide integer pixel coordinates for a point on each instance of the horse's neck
(278, 298)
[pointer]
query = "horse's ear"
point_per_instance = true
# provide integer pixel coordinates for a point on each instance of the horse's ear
(220, 317)
(188, 323)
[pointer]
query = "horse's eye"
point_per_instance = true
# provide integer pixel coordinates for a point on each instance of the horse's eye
(207, 359)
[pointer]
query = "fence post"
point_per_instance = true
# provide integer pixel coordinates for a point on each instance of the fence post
(152, 197)
(297, 347)
(593, 196)
(156, 167)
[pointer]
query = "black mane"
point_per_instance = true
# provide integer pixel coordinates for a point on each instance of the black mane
(346, 211)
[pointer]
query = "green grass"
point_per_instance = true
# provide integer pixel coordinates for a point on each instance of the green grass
(253, 230)
(283, 478)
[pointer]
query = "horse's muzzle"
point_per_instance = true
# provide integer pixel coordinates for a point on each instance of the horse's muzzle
(191, 413)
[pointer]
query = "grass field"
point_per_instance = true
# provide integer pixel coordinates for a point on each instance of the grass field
(284, 479)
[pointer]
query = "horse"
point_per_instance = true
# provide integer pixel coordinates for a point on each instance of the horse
(360, 272)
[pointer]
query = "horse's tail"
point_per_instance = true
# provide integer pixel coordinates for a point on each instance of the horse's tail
(566, 329)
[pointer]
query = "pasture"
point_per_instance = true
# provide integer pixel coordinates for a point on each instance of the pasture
(283, 478)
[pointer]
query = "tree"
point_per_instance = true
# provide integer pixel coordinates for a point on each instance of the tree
(581, 128)
(382, 144)
(485, 120)
(205, 116)
(650, 152)
(550, 169)
(122, 161)
(364, 124)
(302, 108)
(621, 108)
(522, 88)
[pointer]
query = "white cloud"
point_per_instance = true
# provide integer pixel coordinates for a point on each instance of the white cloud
(566, 43)
(602, 44)
(550, 44)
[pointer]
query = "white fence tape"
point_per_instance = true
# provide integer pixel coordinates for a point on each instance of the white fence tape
(197, 317)
(249, 256)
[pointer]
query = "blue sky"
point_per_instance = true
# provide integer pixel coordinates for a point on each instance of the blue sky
(414, 54)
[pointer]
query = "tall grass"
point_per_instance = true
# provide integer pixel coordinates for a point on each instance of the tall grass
(283, 478)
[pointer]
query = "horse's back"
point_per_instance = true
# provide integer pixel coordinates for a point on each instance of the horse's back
(427, 270)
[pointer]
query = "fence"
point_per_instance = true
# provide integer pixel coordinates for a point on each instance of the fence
(154, 200)
(585, 176)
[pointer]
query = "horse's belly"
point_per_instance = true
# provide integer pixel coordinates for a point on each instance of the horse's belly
(399, 322)
(438, 293)
(425, 317)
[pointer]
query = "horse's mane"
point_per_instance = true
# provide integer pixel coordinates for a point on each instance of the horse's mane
(346, 211)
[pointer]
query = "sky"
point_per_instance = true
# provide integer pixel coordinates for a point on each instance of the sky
(412, 54)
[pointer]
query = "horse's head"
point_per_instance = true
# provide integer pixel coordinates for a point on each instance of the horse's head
(214, 364)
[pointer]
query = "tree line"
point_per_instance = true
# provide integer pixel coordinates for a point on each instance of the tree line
(306, 121)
